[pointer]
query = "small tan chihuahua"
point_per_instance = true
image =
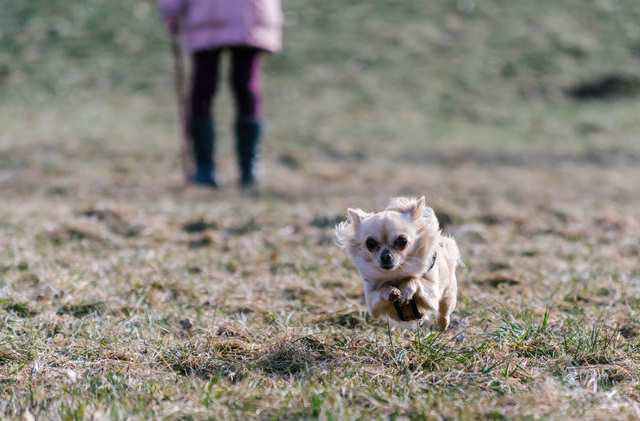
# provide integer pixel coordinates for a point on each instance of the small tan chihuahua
(407, 266)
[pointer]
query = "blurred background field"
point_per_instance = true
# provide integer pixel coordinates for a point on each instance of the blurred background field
(126, 295)
(358, 80)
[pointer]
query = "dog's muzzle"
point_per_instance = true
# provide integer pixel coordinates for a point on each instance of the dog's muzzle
(386, 259)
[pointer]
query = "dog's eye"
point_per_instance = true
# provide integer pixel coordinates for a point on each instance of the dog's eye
(400, 243)
(371, 244)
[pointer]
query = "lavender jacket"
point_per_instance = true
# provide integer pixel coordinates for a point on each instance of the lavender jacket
(222, 23)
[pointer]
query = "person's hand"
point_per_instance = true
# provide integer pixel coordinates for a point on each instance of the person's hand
(172, 23)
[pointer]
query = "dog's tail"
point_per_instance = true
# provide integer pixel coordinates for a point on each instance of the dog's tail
(453, 257)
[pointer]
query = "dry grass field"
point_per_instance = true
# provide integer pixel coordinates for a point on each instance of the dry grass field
(125, 295)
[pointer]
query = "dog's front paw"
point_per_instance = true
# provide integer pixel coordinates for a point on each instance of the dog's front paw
(407, 294)
(393, 294)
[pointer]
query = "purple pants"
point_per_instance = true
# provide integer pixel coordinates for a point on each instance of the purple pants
(245, 80)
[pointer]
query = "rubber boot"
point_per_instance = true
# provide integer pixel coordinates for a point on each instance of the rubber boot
(203, 141)
(248, 136)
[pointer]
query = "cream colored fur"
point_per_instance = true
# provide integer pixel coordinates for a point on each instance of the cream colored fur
(434, 290)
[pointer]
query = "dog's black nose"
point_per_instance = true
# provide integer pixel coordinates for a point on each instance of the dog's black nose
(386, 260)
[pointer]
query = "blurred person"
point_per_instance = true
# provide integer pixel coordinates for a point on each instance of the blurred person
(246, 29)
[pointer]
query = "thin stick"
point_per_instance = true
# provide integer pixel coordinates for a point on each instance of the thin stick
(419, 332)
(390, 337)
(178, 81)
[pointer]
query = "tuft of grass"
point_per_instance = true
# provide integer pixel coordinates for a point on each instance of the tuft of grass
(527, 337)
(19, 309)
(598, 344)
(226, 358)
(82, 310)
(346, 319)
(296, 356)
(9, 355)
(434, 353)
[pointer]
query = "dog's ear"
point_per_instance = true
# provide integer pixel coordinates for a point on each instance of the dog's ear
(431, 220)
(418, 209)
(355, 217)
(409, 206)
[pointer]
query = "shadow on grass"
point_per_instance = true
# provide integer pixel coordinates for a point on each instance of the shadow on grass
(233, 359)
(295, 356)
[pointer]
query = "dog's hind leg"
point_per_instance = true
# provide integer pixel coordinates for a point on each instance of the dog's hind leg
(446, 305)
